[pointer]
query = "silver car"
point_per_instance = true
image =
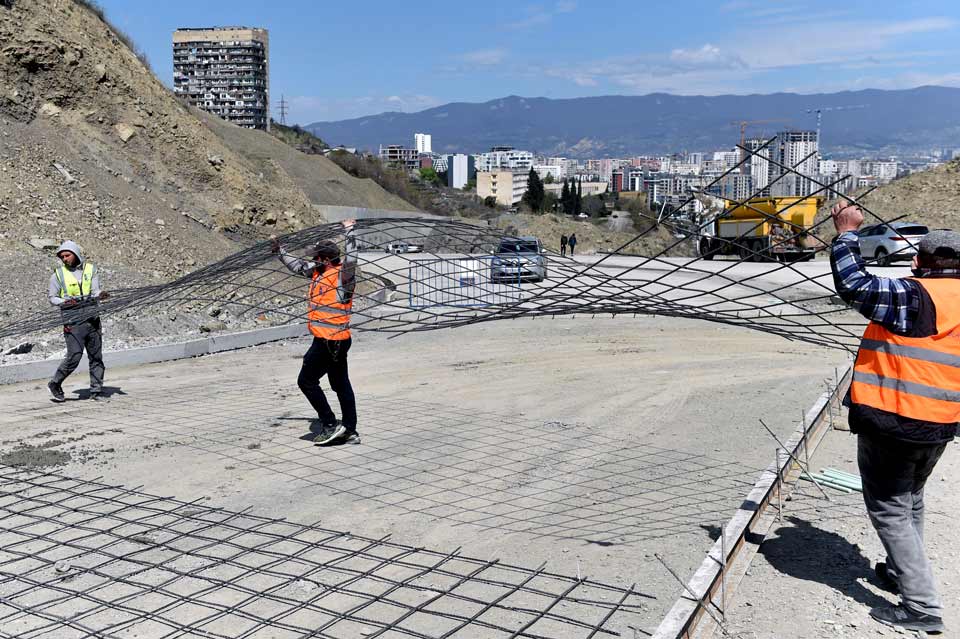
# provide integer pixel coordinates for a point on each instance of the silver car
(894, 242)
(519, 258)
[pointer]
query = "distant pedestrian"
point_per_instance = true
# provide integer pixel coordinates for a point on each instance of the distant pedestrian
(75, 289)
(563, 244)
(330, 304)
(904, 402)
(572, 242)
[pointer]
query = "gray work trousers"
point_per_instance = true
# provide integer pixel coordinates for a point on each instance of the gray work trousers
(894, 473)
(79, 337)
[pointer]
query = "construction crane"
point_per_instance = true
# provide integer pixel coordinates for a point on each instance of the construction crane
(743, 124)
(821, 110)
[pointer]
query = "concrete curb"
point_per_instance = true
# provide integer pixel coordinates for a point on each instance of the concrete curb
(712, 587)
(43, 369)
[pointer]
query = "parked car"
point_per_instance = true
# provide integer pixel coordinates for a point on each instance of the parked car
(518, 259)
(403, 247)
(894, 242)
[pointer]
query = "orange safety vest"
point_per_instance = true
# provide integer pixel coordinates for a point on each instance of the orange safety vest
(914, 377)
(326, 317)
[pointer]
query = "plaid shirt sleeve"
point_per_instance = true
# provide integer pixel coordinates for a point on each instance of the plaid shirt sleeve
(891, 302)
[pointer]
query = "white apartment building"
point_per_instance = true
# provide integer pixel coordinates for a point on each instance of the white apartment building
(799, 151)
(828, 167)
(885, 169)
(504, 157)
(423, 142)
(543, 170)
(568, 167)
(726, 159)
(459, 169)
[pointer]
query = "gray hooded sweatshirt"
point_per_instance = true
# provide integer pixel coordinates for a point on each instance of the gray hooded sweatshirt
(86, 309)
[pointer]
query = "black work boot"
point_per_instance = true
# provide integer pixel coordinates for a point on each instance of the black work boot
(57, 391)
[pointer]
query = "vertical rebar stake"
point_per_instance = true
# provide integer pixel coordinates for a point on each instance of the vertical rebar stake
(723, 572)
(830, 405)
(779, 488)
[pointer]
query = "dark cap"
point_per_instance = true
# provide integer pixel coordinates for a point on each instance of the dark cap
(942, 244)
(325, 249)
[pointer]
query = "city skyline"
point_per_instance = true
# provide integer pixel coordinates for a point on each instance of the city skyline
(334, 62)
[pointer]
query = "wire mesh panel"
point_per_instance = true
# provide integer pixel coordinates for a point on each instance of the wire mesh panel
(460, 281)
(782, 298)
(85, 559)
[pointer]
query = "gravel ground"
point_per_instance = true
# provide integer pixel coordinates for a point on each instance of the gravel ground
(813, 577)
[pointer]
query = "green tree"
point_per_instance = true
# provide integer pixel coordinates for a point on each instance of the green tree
(565, 202)
(593, 205)
(490, 201)
(578, 199)
(535, 193)
(550, 202)
(549, 179)
(429, 174)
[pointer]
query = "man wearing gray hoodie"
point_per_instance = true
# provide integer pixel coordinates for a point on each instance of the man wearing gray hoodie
(75, 290)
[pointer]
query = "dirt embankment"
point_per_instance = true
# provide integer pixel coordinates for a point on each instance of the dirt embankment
(95, 149)
(928, 197)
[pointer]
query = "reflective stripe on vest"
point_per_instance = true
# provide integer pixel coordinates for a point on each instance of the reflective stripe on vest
(70, 286)
(326, 317)
(914, 377)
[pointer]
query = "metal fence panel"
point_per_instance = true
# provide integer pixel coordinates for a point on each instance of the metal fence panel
(460, 282)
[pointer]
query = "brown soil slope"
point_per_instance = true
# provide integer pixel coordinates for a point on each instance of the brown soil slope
(320, 179)
(928, 197)
(95, 149)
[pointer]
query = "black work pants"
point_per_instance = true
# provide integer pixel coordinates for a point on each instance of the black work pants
(328, 357)
(85, 336)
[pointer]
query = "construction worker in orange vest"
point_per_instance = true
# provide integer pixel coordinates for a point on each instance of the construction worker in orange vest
(329, 304)
(904, 402)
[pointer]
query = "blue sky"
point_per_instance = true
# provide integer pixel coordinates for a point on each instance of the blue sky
(334, 60)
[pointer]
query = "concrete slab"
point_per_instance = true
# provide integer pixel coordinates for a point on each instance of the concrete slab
(590, 444)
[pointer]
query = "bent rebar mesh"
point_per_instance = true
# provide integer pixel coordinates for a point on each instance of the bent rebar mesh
(461, 278)
(86, 559)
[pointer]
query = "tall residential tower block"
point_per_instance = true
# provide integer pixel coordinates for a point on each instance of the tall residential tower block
(225, 71)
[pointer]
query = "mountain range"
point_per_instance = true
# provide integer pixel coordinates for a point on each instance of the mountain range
(871, 121)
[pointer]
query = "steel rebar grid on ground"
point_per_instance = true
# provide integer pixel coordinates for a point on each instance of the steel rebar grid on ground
(88, 559)
(568, 481)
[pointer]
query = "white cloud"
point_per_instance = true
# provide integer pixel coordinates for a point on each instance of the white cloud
(836, 52)
(707, 56)
(539, 15)
(484, 57)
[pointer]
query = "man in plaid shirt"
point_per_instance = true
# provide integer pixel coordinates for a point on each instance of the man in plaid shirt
(904, 402)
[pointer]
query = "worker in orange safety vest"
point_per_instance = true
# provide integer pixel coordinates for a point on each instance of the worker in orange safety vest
(329, 305)
(904, 402)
